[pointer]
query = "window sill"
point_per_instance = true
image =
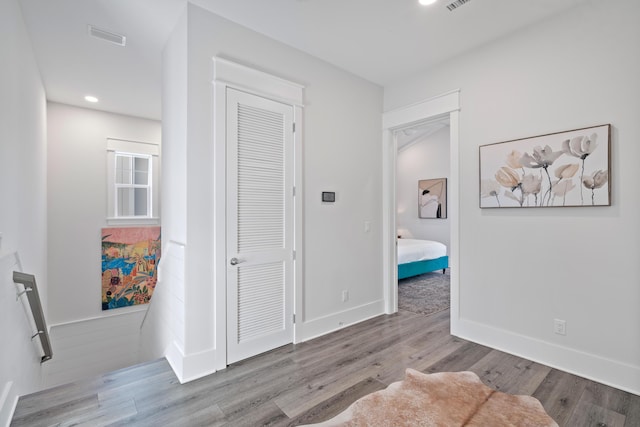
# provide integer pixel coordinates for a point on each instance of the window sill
(133, 221)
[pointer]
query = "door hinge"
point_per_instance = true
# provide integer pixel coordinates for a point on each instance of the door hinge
(293, 255)
(294, 318)
(294, 191)
(294, 127)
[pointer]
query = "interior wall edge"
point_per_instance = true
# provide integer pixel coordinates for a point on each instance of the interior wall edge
(190, 367)
(8, 403)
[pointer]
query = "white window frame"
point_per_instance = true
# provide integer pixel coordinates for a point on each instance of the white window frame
(133, 149)
(132, 185)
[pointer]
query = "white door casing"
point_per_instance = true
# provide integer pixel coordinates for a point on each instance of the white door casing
(228, 74)
(447, 103)
(260, 224)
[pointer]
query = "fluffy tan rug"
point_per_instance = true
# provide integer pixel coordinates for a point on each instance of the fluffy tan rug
(449, 399)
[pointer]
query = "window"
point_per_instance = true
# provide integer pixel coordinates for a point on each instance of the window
(133, 185)
(132, 173)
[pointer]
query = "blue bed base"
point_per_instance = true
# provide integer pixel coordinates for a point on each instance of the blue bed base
(420, 267)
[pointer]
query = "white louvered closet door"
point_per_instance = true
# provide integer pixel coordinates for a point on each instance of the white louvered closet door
(260, 225)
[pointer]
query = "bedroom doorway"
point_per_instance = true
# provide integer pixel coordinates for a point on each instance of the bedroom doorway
(422, 223)
(424, 114)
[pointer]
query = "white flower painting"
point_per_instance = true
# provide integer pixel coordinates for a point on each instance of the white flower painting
(560, 169)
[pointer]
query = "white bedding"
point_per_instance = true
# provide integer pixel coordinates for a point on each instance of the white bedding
(410, 250)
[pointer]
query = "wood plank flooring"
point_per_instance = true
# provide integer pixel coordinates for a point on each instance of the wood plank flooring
(313, 381)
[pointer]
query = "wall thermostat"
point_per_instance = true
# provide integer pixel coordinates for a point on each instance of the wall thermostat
(328, 196)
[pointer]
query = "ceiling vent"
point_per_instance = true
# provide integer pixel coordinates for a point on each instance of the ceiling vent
(105, 35)
(456, 4)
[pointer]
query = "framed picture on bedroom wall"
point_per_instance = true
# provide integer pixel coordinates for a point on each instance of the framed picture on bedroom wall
(432, 198)
(562, 169)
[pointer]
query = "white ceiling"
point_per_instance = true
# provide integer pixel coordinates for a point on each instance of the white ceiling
(383, 41)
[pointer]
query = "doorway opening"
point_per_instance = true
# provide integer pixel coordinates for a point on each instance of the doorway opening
(430, 110)
(422, 220)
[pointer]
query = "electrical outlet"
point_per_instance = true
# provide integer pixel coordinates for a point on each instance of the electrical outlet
(560, 326)
(345, 296)
(367, 226)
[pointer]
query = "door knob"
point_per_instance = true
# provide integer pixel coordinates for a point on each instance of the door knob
(234, 261)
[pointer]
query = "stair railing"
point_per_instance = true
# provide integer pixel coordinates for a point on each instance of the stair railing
(31, 291)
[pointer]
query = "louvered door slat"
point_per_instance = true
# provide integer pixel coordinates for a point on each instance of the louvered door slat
(260, 300)
(260, 169)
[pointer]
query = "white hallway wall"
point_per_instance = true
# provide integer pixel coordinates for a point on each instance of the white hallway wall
(341, 153)
(163, 332)
(425, 159)
(520, 269)
(23, 212)
(86, 339)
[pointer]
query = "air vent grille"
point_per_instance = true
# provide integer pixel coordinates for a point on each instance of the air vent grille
(456, 4)
(105, 35)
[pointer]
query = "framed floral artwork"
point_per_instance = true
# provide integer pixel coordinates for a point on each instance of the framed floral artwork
(432, 198)
(570, 168)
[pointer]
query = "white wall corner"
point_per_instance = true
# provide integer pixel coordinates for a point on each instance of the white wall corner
(192, 366)
(8, 402)
(175, 357)
(314, 328)
(606, 371)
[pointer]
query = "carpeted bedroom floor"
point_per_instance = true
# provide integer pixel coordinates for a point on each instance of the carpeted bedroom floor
(424, 294)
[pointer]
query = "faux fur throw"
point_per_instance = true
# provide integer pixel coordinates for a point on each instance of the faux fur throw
(449, 399)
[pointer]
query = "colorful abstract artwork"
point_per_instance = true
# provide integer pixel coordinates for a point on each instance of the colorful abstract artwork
(130, 257)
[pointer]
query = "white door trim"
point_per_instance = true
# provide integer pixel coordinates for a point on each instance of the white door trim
(447, 103)
(230, 74)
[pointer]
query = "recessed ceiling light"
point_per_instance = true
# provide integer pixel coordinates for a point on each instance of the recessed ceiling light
(426, 2)
(90, 98)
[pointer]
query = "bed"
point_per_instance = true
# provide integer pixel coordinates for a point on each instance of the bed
(420, 256)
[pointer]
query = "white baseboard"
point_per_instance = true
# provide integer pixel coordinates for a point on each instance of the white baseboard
(175, 357)
(314, 328)
(8, 402)
(190, 367)
(610, 372)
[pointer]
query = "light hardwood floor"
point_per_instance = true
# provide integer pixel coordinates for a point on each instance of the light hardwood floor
(313, 381)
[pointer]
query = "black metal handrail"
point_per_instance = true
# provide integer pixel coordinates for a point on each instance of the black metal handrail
(31, 290)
